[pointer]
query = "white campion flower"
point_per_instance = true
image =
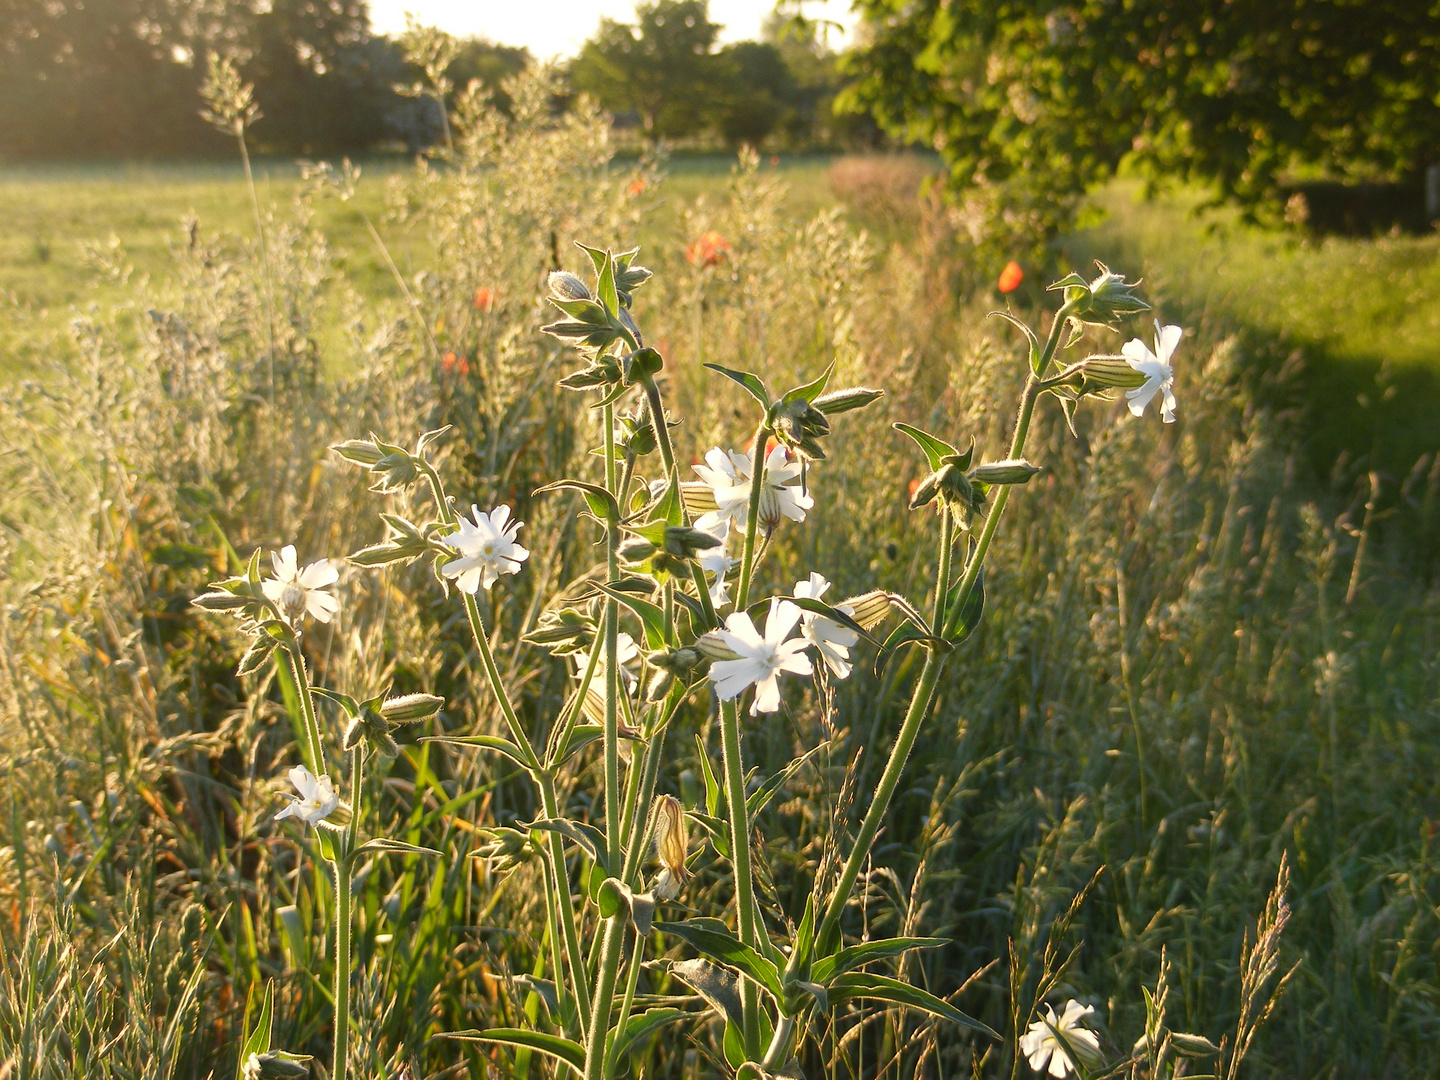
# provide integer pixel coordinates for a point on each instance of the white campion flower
(728, 475)
(831, 640)
(760, 660)
(317, 799)
(299, 592)
(487, 549)
(1043, 1048)
(1159, 375)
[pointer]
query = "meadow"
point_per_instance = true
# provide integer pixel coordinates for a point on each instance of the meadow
(1206, 647)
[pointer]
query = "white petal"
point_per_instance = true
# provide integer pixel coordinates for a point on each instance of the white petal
(739, 627)
(304, 781)
(796, 663)
(499, 516)
(767, 695)
(292, 809)
(318, 575)
(272, 589)
(1141, 396)
(321, 605)
(781, 620)
(469, 580)
(1167, 412)
(731, 677)
(1166, 340)
(1137, 352)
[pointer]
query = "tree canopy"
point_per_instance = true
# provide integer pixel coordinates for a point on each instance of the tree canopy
(1033, 99)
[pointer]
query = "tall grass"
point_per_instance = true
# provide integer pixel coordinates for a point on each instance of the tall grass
(1169, 693)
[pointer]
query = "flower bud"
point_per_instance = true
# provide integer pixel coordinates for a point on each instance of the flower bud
(275, 1065)
(712, 646)
(566, 286)
(563, 632)
(410, 708)
(685, 543)
(1108, 373)
(838, 401)
(868, 609)
(504, 848)
(394, 471)
(800, 426)
(1010, 471)
(636, 550)
(222, 601)
(1105, 300)
(359, 451)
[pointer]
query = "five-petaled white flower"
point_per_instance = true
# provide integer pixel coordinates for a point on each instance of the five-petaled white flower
(1042, 1046)
(728, 475)
(1159, 375)
(299, 592)
(317, 799)
(715, 561)
(831, 640)
(487, 549)
(759, 660)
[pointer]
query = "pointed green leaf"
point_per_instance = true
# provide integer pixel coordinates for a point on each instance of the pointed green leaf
(345, 701)
(859, 955)
(750, 382)
(969, 616)
(385, 846)
(724, 948)
(601, 503)
(485, 742)
(652, 616)
(811, 390)
(936, 450)
(571, 1053)
(861, 984)
(641, 1027)
(605, 287)
(259, 1039)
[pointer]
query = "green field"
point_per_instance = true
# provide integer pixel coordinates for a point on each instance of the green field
(1194, 656)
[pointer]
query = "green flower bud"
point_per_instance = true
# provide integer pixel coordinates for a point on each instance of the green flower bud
(800, 426)
(504, 848)
(868, 609)
(410, 708)
(276, 1065)
(1106, 300)
(563, 633)
(685, 543)
(566, 286)
(359, 451)
(636, 550)
(1107, 373)
(712, 646)
(1011, 471)
(838, 401)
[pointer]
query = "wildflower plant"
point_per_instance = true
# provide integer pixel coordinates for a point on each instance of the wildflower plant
(678, 547)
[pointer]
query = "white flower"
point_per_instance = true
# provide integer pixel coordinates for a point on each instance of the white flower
(299, 592)
(728, 475)
(487, 549)
(715, 561)
(252, 1067)
(1159, 375)
(831, 640)
(317, 799)
(759, 660)
(1042, 1047)
(594, 704)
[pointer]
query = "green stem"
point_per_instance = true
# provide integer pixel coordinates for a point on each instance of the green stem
(748, 916)
(342, 968)
(313, 749)
(612, 656)
(543, 779)
(640, 815)
(632, 979)
(779, 1051)
(611, 945)
(757, 481)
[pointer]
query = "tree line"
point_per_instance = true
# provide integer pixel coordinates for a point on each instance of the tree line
(99, 79)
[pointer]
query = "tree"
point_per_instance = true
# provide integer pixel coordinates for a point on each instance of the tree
(757, 92)
(663, 67)
(1035, 100)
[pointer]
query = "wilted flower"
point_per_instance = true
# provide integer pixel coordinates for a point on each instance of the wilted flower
(299, 592)
(487, 549)
(831, 640)
(1011, 277)
(760, 660)
(708, 249)
(1044, 1047)
(1159, 376)
(728, 475)
(671, 842)
(317, 799)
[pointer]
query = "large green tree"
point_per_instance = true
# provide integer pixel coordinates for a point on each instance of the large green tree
(1035, 100)
(663, 67)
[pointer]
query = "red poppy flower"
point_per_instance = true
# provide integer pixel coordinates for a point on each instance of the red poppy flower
(1011, 277)
(484, 299)
(709, 249)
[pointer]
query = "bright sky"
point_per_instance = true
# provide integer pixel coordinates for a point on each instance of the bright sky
(559, 27)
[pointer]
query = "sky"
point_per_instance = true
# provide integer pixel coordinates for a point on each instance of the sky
(551, 28)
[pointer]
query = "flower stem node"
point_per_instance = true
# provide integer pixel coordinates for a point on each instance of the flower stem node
(1105, 301)
(504, 848)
